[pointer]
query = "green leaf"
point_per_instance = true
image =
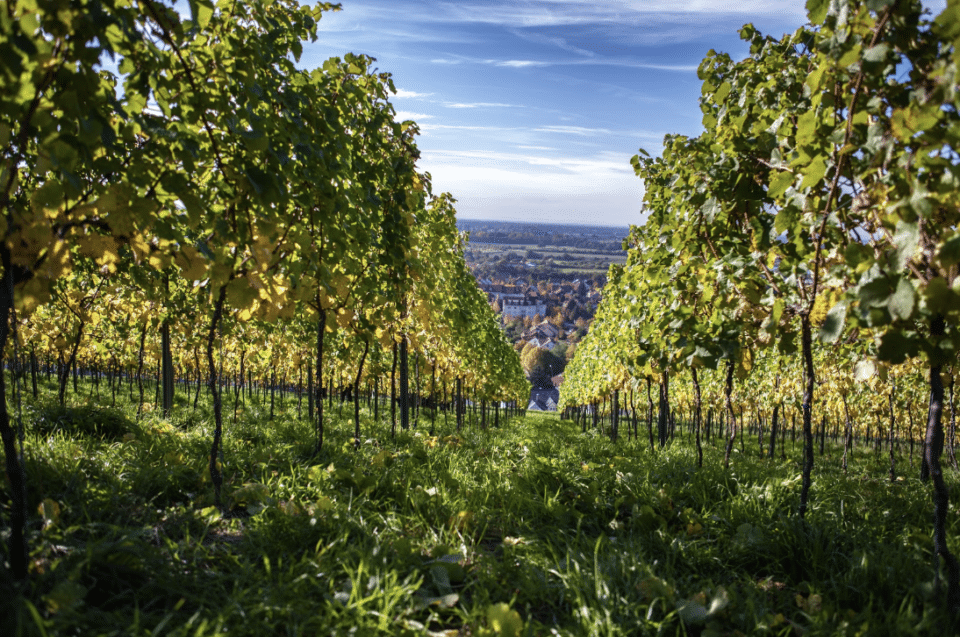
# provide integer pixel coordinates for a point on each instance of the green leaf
(949, 252)
(814, 173)
(255, 140)
(817, 11)
(849, 57)
(903, 300)
(710, 209)
(785, 220)
(779, 183)
(807, 127)
(948, 22)
(913, 119)
(895, 347)
(135, 103)
(879, 5)
(834, 323)
(48, 196)
(906, 241)
(200, 12)
(940, 298)
(875, 293)
(722, 91)
(876, 53)
(787, 344)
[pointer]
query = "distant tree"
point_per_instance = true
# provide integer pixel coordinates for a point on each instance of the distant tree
(513, 328)
(541, 366)
(560, 351)
(526, 350)
(570, 352)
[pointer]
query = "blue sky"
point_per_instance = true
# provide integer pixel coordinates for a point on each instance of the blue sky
(530, 110)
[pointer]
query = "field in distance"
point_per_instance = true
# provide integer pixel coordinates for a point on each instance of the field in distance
(542, 251)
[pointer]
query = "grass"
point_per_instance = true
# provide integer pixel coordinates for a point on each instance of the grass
(531, 529)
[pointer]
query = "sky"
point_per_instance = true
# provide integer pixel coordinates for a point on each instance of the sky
(530, 110)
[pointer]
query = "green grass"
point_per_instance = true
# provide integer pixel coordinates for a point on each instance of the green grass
(533, 526)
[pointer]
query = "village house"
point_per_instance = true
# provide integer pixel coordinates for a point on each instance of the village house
(543, 332)
(513, 300)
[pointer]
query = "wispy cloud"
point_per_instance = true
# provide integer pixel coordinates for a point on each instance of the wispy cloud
(517, 64)
(603, 163)
(554, 41)
(575, 12)
(574, 130)
(480, 105)
(403, 116)
(403, 94)
(598, 186)
(595, 61)
(433, 126)
(537, 148)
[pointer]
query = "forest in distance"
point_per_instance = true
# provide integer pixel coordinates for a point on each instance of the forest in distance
(542, 234)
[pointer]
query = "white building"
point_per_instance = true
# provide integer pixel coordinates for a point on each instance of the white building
(514, 301)
(517, 305)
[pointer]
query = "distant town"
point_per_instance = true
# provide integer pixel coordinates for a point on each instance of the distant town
(545, 282)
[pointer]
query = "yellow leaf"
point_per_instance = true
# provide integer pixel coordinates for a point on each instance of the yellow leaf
(140, 246)
(159, 261)
(240, 295)
(191, 263)
(503, 621)
(50, 511)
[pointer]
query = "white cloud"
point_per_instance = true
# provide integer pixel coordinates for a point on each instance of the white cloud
(560, 43)
(403, 116)
(537, 148)
(574, 130)
(519, 64)
(681, 68)
(607, 209)
(525, 171)
(630, 12)
(402, 94)
(594, 61)
(427, 127)
(597, 189)
(481, 105)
